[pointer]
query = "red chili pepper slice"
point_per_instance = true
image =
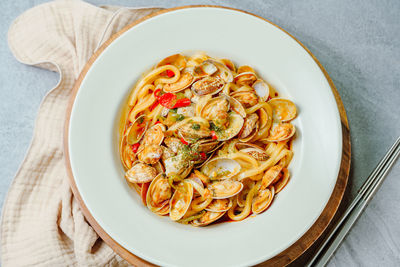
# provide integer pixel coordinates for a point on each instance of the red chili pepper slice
(203, 155)
(170, 73)
(184, 141)
(135, 147)
(157, 93)
(154, 105)
(213, 135)
(167, 100)
(157, 122)
(184, 102)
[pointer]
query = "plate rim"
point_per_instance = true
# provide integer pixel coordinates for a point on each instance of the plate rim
(283, 258)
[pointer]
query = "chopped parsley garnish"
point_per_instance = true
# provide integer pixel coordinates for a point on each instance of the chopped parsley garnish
(180, 117)
(214, 127)
(196, 126)
(173, 110)
(140, 120)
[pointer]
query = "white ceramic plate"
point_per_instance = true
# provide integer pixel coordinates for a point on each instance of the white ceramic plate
(245, 39)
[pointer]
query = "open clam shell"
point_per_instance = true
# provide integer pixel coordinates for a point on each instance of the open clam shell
(209, 85)
(154, 135)
(207, 218)
(271, 176)
(219, 205)
(194, 128)
(235, 125)
(136, 131)
(263, 200)
(283, 181)
(158, 194)
(140, 173)
(225, 189)
(255, 151)
(221, 168)
(180, 201)
(281, 132)
(177, 60)
(223, 71)
(262, 89)
(245, 78)
(204, 69)
(283, 109)
(250, 128)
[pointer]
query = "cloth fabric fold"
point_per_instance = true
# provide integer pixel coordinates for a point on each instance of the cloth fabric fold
(42, 223)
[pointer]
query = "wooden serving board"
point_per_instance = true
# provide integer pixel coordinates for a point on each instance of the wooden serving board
(285, 257)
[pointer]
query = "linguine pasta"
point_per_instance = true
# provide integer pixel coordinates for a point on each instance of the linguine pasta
(202, 140)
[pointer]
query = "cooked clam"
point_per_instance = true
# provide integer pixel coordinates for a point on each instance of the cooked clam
(154, 135)
(229, 64)
(263, 200)
(281, 132)
(136, 131)
(283, 109)
(178, 165)
(140, 173)
(216, 110)
(253, 150)
(219, 205)
(194, 128)
(167, 153)
(250, 127)
(235, 125)
(207, 218)
(174, 144)
(262, 89)
(245, 78)
(180, 201)
(150, 154)
(208, 85)
(283, 181)
(247, 98)
(236, 106)
(245, 68)
(223, 72)
(271, 176)
(158, 193)
(177, 60)
(221, 168)
(225, 189)
(184, 81)
(204, 69)
(206, 145)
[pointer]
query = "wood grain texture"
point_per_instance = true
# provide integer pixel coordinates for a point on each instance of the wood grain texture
(285, 257)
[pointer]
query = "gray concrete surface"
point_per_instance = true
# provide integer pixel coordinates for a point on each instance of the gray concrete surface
(358, 42)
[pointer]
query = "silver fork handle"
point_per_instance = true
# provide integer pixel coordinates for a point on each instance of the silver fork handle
(355, 209)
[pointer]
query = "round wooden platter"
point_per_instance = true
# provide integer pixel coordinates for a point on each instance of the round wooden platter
(285, 257)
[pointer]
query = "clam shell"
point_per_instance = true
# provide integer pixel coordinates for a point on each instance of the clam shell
(236, 106)
(235, 124)
(207, 218)
(223, 72)
(271, 176)
(188, 131)
(281, 132)
(245, 78)
(219, 205)
(204, 69)
(150, 154)
(283, 181)
(221, 168)
(140, 173)
(177, 60)
(225, 189)
(180, 201)
(258, 154)
(245, 68)
(283, 109)
(136, 131)
(154, 135)
(262, 89)
(263, 200)
(158, 193)
(207, 86)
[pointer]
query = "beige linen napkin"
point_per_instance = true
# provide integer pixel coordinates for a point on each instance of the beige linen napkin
(42, 224)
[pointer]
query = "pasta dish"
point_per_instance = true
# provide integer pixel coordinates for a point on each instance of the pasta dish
(203, 141)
